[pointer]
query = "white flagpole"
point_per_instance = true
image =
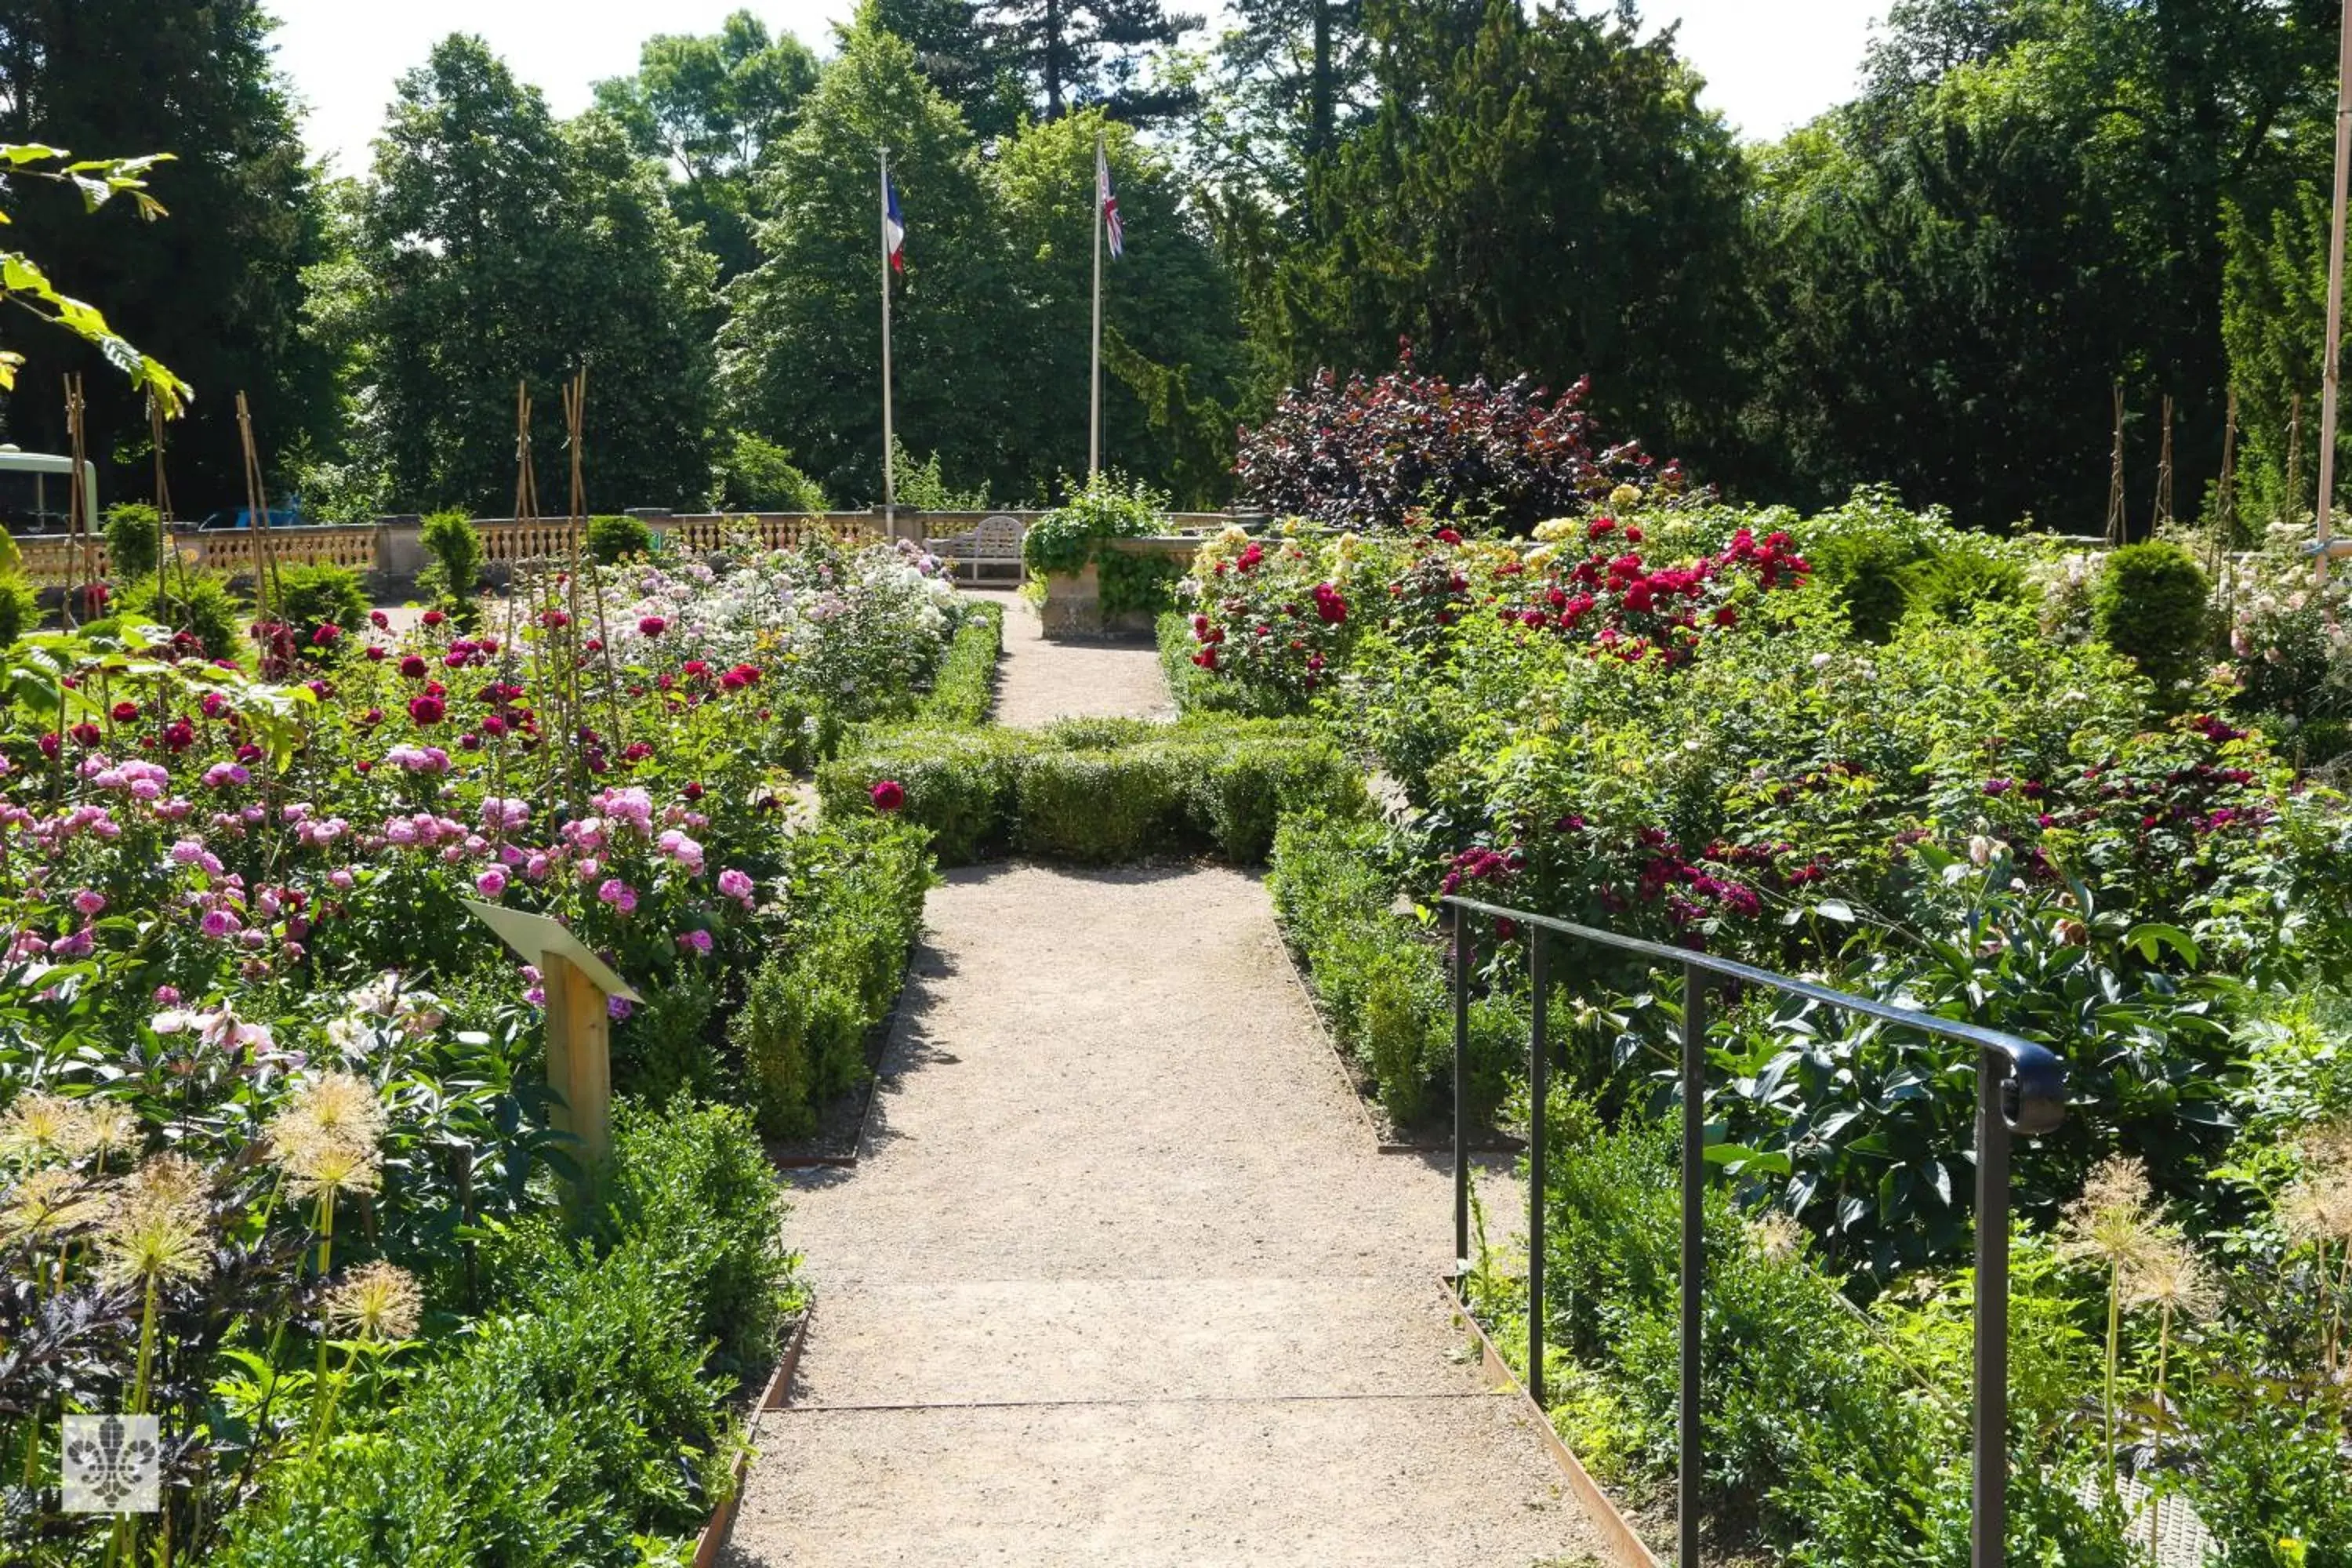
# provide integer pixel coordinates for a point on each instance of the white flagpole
(1094, 411)
(2335, 296)
(890, 479)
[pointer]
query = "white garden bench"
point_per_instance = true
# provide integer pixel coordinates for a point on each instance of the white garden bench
(995, 542)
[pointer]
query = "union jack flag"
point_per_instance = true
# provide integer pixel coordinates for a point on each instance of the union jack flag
(1114, 230)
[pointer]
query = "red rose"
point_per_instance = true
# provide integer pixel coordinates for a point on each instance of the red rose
(425, 709)
(888, 796)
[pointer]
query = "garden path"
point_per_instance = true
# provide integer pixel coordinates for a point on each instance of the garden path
(1119, 1279)
(1042, 681)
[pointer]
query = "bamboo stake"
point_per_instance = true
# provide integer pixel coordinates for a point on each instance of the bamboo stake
(575, 412)
(2115, 475)
(2225, 509)
(77, 499)
(2163, 475)
(266, 592)
(2294, 463)
(2332, 363)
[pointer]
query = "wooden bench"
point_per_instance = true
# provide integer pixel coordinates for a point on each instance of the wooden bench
(994, 543)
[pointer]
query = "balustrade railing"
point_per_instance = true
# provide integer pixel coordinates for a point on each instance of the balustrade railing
(2021, 1088)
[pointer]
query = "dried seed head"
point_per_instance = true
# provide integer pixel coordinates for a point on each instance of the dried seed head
(2113, 1220)
(333, 1105)
(325, 1162)
(109, 1126)
(2318, 1207)
(155, 1230)
(47, 1203)
(38, 1127)
(376, 1301)
(2169, 1273)
(1777, 1235)
(2327, 1148)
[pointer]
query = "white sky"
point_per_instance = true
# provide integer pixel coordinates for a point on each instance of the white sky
(1769, 64)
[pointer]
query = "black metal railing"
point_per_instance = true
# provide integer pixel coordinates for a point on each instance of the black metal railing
(2021, 1088)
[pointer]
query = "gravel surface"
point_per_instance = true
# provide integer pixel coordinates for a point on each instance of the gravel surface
(1120, 1279)
(1042, 681)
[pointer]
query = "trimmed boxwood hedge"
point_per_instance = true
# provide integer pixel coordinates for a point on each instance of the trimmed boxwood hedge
(1099, 791)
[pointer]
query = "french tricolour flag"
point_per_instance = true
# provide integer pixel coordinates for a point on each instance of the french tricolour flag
(1113, 230)
(894, 226)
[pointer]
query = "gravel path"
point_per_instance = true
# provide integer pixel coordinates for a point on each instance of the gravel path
(1043, 680)
(1120, 1279)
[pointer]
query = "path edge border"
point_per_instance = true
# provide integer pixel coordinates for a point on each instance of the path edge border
(774, 1396)
(1623, 1543)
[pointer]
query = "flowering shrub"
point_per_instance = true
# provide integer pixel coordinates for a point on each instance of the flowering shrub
(854, 631)
(1373, 454)
(261, 1077)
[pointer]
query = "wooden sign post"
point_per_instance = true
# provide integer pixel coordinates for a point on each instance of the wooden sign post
(580, 988)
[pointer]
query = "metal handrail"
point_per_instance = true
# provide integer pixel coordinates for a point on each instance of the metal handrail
(2021, 1088)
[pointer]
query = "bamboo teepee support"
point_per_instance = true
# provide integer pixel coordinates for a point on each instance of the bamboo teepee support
(575, 414)
(2163, 517)
(78, 543)
(2224, 532)
(2115, 475)
(2293, 461)
(268, 599)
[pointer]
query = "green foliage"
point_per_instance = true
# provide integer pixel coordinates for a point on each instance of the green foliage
(1381, 982)
(1098, 791)
(712, 106)
(1074, 52)
(581, 1416)
(449, 537)
(1109, 507)
(1882, 560)
(1515, 160)
(20, 608)
(965, 689)
(2151, 607)
(615, 539)
(1837, 1433)
(758, 476)
(798, 348)
(310, 596)
(495, 242)
(134, 541)
(922, 485)
(1173, 356)
(1096, 807)
(201, 604)
(216, 289)
(857, 904)
(695, 1189)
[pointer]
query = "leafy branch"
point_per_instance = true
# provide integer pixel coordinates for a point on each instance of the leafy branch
(24, 284)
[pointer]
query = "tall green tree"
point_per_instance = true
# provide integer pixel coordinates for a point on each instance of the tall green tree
(708, 108)
(1075, 53)
(1535, 193)
(801, 353)
(2026, 207)
(215, 291)
(955, 52)
(1172, 356)
(494, 244)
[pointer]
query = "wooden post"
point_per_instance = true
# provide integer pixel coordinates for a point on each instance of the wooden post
(578, 1056)
(578, 988)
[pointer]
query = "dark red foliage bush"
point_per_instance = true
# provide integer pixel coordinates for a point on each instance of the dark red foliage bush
(1367, 453)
